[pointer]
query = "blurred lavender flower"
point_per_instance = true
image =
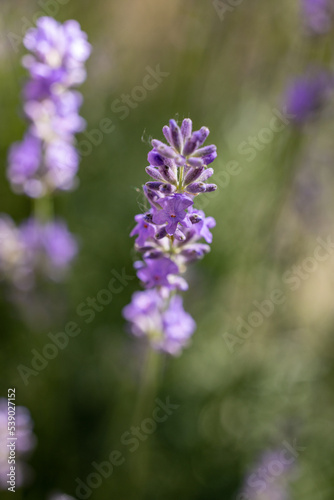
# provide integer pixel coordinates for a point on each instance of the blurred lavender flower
(13, 261)
(306, 95)
(50, 247)
(162, 320)
(269, 478)
(169, 234)
(59, 52)
(25, 443)
(318, 15)
(33, 249)
(46, 159)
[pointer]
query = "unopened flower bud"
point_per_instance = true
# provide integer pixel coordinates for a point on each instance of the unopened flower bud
(208, 172)
(202, 135)
(168, 174)
(195, 162)
(167, 189)
(207, 150)
(154, 172)
(167, 133)
(195, 219)
(207, 159)
(155, 159)
(164, 150)
(186, 128)
(196, 187)
(161, 233)
(193, 174)
(153, 254)
(154, 185)
(210, 187)
(176, 135)
(189, 146)
(148, 218)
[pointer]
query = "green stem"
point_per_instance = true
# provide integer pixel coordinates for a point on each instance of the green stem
(180, 183)
(143, 410)
(148, 385)
(43, 208)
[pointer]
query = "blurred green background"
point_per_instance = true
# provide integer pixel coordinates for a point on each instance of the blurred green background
(235, 402)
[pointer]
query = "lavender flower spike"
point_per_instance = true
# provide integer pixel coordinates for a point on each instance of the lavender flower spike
(170, 236)
(47, 160)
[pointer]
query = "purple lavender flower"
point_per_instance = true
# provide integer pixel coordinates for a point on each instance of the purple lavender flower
(24, 443)
(144, 313)
(163, 321)
(202, 228)
(47, 159)
(173, 212)
(13, 259)
(169, 234)
(59, 52)
(33, 249)
(51, 245)
(24, 161)
(318, 15)
(143, 229)
(155, 272)
(62, 160)
(178, 327)
(307, 94)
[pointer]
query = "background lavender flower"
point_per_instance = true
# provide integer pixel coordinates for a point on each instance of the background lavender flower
(269, 478)
(47, 160)
(13, 258)
(307, 94)
(59, 52)
(50, 247)
(25, 443)
(34, 249)
(318, 15)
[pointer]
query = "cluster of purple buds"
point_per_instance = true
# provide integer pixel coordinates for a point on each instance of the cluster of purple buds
(170, 235)
(34, 249)
(318, 15)
(25, 442)
(46, 159)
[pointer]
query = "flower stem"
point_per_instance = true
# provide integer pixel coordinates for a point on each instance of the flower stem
(180, 183)
(144, 407)
(43, 208)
